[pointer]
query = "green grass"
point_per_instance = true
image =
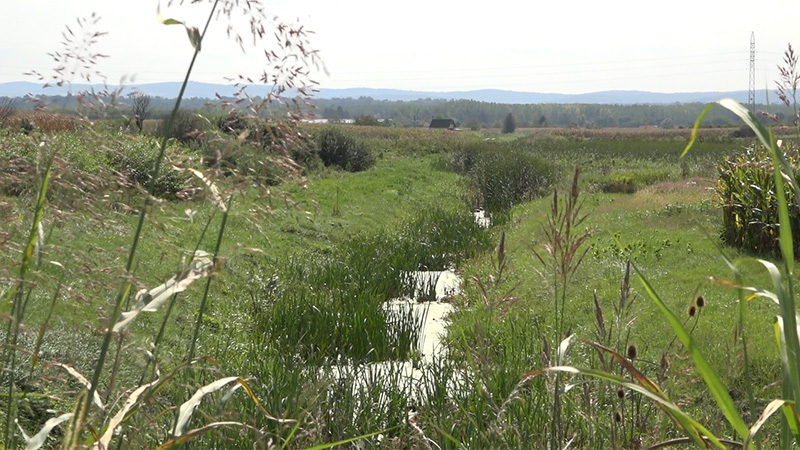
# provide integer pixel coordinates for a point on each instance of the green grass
(307, 265)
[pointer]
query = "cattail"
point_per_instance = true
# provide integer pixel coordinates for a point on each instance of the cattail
(700, 301)
(632, 351)
(692, 310)
(620, 393)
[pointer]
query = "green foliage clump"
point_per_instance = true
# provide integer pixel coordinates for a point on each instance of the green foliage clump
(509, 124)
(746, 188)
(502, 175)
(26, 125)
(135, 159)
(341, 149)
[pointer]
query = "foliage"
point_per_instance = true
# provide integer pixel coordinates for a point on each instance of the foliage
(587, 116)
(135, 160)
(142, 161)
(746, 189)
(509, 124)
(502, 176)
(341, 149)
(186, 127)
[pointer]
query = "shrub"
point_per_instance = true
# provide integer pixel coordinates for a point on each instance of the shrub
(230, 123)
(187, 127)
(26, 125)
(135, 159)
(505, 177)
(338, 148)
(509, 124)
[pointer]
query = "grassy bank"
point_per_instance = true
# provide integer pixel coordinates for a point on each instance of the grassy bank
(307, 263)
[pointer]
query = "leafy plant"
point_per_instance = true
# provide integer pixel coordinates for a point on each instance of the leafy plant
(338, 148)
(503, 178)
(746, 189)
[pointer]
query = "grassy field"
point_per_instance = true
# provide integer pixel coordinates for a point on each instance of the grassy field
(307, 261)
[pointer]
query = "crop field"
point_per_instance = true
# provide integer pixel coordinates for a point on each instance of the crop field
(253, 312)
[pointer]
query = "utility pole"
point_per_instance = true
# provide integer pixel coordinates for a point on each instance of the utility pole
(751, 96)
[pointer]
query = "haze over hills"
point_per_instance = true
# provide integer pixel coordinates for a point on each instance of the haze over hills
(209, 90)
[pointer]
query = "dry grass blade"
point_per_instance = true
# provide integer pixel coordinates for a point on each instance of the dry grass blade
(152, 300)
(562, 349)
(253, 397)
(191, 434)
(81, 379)
(771, 408)
(35, 442)
(120, 416)
(188, 407)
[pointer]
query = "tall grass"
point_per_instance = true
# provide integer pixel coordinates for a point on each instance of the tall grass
(786, 334)
(89, 411)
(503, 176)
(332, 306)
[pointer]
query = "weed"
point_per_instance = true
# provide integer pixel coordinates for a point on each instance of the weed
(338, 148)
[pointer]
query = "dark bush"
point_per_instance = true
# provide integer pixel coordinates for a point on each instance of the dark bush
(502, 175)
(338, 148)
(187, 127)
(231, 123)
(743, 132)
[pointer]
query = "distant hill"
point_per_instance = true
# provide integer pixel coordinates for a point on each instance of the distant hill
(209, 90)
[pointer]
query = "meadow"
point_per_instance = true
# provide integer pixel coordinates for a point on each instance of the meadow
(280, 317)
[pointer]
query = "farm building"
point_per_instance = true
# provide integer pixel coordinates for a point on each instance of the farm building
(449, 124)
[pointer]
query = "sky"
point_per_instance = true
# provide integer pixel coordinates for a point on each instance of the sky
(559, 46)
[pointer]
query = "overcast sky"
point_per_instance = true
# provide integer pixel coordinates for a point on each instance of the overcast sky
(559, 46)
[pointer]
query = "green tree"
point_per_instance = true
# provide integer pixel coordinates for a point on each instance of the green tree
(509, 124)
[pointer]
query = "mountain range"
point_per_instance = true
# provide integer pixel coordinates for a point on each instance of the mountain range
(209, 90)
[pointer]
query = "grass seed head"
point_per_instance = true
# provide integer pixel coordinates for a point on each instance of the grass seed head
(632, 351)
(620, 393)
(617, 417)
(692, 310)
(700, 301)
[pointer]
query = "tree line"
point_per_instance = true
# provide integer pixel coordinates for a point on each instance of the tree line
(467, 113)
(471, 114)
